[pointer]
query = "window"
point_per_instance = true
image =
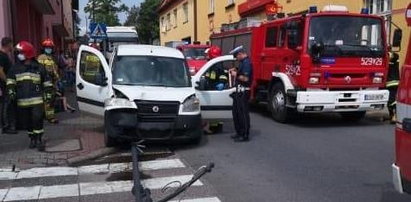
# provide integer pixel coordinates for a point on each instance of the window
(185, 9)
(217, 76)
(381, 8)
(281, 36)
(271, 37)
(90, 67)
(175, 18)
(168, 22)
(211, 6)
(162, 24)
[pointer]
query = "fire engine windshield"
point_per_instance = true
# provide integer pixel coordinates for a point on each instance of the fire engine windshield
(195, 53)
(347, 36)
(150, 71)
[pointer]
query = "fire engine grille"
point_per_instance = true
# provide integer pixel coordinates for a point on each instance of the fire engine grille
(156, 108)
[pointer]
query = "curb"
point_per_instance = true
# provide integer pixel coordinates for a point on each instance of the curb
(90, 156)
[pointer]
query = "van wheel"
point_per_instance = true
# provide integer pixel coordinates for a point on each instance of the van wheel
(277, 103)
(352, 116)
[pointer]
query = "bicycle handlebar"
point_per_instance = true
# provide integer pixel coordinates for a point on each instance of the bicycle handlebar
(200, 172)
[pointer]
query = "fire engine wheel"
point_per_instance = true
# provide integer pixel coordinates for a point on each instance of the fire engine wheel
(353, 116)
(277, 103)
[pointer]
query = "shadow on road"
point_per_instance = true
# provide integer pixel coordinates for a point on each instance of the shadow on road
(324, 120)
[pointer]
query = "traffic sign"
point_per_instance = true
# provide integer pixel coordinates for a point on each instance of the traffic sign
(98, 30)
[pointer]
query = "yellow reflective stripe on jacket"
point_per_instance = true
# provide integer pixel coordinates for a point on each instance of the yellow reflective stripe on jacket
(10, 82)
(30, 101)
(38, 131)
(392, 83)
(47, 84)
(28, 77)
(92, 58)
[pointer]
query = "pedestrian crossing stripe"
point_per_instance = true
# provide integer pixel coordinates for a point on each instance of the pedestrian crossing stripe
(87, 188)
(91, 169)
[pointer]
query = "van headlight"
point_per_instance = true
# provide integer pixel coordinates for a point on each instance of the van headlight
(117, 102)
(191, 104)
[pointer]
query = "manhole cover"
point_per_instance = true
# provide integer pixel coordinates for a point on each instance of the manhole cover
(64, 145)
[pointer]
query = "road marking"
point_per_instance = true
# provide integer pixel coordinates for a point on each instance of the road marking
(210, 199)
(90, 188)
(59, 191)
(159, 183)
(47, 172)
(23, 193)
(92, 169)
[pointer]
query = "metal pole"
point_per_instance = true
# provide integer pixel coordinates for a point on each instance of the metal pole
(137, 188)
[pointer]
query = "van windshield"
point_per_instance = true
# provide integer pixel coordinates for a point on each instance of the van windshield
(150, 71)
(195, 53)
(347, 36)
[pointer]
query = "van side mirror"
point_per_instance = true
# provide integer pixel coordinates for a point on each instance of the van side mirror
(201, 85)
(397, 37)
(101, 79)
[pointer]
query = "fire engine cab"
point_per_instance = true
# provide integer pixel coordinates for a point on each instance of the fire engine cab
(195, 56)
(328, 61)
(402, 167)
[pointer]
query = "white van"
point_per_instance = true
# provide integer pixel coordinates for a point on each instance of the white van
(146, 92)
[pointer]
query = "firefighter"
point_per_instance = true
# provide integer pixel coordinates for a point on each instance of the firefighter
(392, 85)
(243, 79)
(28, 83)
(46, 59)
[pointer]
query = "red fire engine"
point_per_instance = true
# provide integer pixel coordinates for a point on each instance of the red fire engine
(328, 61)
(402, 166)
(195, 56)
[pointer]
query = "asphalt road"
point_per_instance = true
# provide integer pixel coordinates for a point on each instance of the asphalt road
(316, 158)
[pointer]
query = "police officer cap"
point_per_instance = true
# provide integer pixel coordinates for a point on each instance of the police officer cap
(236, 51)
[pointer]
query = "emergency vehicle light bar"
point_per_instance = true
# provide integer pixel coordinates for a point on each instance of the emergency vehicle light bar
(335, 8)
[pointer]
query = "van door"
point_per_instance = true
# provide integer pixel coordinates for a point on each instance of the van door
(270, 54)
(93, 80)
(213, 88)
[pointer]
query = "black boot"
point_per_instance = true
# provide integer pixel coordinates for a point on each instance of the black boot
(33, 142)
(40, 146)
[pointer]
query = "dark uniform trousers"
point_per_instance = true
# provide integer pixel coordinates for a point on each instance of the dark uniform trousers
(33, 116)
(241, 113)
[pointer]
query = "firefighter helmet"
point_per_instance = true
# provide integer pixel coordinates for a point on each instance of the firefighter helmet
(47, 43)
(95, 45)
(27, 49)
(213, 52)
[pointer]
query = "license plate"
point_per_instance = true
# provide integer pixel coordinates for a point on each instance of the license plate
(374, 97)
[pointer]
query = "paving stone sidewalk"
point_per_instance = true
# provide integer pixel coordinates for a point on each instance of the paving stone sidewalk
(77, 134)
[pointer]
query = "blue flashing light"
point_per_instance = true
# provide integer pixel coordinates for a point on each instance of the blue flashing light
(365, 11)
(327, 75)
(312, 9)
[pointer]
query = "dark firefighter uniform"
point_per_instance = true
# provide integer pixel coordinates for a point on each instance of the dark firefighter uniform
(29, 85)
(52, 70)
(392, 84)
(240, 111)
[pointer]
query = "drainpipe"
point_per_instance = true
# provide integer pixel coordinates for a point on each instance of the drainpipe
(195, 21)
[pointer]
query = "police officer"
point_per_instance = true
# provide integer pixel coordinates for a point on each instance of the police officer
(243, 78)
(46, 59)
(28, 83)
(392, 84)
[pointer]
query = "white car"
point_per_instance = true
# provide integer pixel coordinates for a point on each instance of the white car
(146, 92)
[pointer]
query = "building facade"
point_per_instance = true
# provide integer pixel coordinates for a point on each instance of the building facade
(34, 20)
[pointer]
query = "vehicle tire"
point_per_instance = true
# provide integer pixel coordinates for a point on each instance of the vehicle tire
(109, 131)
(277, 103)
(352, 116)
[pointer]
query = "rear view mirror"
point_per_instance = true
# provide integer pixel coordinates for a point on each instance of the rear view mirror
(317, 50)
(396, 39)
